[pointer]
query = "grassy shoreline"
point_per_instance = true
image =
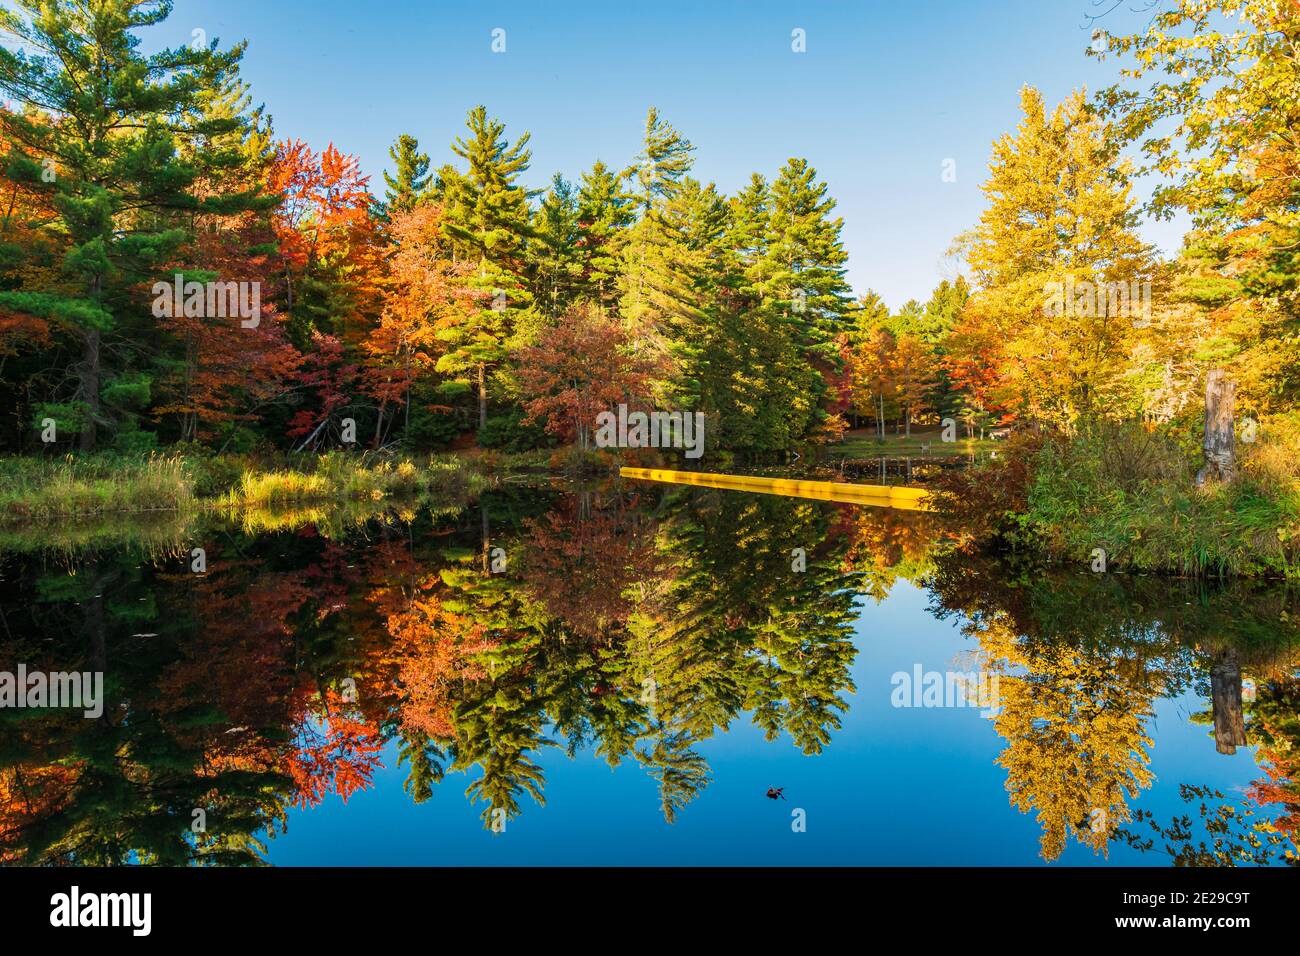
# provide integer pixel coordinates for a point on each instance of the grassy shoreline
(39, 490)
(1119, 494)
(44, 489)
(1119, 498)
(864, 443)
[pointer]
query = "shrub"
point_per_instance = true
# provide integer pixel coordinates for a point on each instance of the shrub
(988, 501)
(511, 433)
(1272, 461)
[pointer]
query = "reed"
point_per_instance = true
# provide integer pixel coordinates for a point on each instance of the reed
(42, 489)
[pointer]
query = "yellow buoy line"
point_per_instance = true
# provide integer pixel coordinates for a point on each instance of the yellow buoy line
(884, 496)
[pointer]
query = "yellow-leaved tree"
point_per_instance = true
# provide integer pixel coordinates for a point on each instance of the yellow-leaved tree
(1061, 271)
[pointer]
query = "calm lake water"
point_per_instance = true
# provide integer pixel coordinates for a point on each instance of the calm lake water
(629, 673)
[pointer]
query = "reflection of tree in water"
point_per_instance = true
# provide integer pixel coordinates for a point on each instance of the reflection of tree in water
(1222, 833)
(124, 787)
(885, 544)
(680, 772)
(647, 636)
(1081, 660)
(1274, 724)
(587, 560)
(212, 725)
(637, 628)
(1076, 749)
(746, 630)
(1216, 833)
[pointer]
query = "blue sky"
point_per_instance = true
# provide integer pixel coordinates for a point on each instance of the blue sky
(884, 94)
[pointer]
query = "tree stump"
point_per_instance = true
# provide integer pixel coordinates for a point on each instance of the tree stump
(1219, 448)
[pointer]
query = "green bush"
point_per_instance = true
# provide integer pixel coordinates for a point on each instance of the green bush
(134, 441)
(509, 432)
(431, 430)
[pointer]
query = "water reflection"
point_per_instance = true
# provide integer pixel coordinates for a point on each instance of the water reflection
(633, 622)
(1082, 660)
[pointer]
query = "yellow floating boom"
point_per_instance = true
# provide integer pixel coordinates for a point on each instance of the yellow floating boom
(885, 496)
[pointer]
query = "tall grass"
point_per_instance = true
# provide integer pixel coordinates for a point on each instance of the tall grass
(41, 489)
(263, 489)
(35, 492)
(339, 477)
(1132, 494)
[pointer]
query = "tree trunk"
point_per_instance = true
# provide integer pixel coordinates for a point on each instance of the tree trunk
(1220, 402)
(379, 426)
(1225, 695)
(90, 386)
(92, 623)
(482, 396)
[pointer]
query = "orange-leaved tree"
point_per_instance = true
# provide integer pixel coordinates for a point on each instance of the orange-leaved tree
(426, 289)
(331, 254)
(581, 366)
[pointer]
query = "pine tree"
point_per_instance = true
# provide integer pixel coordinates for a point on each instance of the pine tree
(944, 309)
(655, 281)
(741, 359)
(805, 260)
(664, 161)
(411, 178)
(211, 372)
(557, 253)
(801, 273)
(604, 213)
(488, 215)
(871, 313)
(940, 316)
(748, 237)
(123, 193)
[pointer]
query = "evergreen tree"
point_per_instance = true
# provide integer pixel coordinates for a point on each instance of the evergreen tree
(410, 180)
(604, 213)
(803, 267)
(944, 309)
(748, 237)
(872, 313)
(908, 320)
(425, 761)
(697, 221)
(488, 216)
(800, 274)
(942, 314)
(557, 257)
(753, 384)
(656, 281)
(664, 161)
(122, 192)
